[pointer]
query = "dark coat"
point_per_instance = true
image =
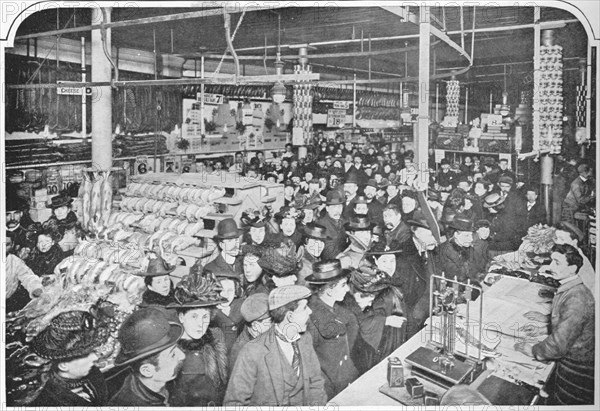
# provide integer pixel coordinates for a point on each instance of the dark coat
(44, 263)
(398, 235)
(375, 212)
(509, 225)
(203, 378)
(337, 233)
(55, 392)
(230, 324)
(536, 215)
(134, 393)
(153, 299)
(220, 268)
(456, 261)
(481, 253)
(334, 331)
(257, 377)
(410, 275)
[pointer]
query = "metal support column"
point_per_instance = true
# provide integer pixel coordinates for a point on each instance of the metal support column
(101, 96)
(422, 141)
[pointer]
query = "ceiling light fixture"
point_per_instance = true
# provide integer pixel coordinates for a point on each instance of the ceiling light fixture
(278, 91)
(505, 108)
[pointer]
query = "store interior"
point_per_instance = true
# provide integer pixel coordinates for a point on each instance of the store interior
(147, 120)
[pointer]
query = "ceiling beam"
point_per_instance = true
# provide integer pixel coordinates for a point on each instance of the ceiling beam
(146, 20)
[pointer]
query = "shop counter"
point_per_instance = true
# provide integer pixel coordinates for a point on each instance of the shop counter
(504, 304)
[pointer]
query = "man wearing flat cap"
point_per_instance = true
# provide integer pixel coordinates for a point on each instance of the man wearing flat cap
(279, 367)
(69, 342)
(149, 347)
(255, 311)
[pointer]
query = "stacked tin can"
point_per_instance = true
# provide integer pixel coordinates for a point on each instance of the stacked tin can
(303, 101)
(548, 101)
(452, 97)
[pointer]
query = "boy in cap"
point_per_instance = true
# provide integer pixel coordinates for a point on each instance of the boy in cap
(69, 342)
(149, 347)
(279, 367)
(255, 310)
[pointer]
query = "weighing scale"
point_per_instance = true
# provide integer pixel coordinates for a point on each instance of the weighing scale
(440, 363)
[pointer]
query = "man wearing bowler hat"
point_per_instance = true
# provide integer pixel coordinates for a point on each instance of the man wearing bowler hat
(350, 193)
(149, 347)
(457, 257)
(255, 311)
(227, 263)
(334, 224)
(315, 236)
(333, 328)
(69, 342)
(280, 366)
(359, 233)
(15, 209)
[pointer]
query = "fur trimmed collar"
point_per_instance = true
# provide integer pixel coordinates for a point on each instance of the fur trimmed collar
(213, 350)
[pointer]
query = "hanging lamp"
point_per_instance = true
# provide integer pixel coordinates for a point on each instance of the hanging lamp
(278, 91)
(505, 108)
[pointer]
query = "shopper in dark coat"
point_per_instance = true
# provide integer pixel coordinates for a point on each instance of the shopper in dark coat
(203, 377)
(457, 258)
(47, 253)
(509, 225)
(159, 292)
(536, 212)
(263, 374)
(227, 263)
(69, 342)
(333, 328)
(149, 346)
(334, 226)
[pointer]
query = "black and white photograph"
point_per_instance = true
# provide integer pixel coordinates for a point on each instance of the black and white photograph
(322, 205)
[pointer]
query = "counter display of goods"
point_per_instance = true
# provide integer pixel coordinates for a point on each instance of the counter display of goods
(99, 278)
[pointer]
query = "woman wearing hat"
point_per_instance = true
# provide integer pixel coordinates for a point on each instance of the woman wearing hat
(367, 283)
(288, 219)
(62, 212)
(203, 377)
(227, 316)
(47, 253)
(159, 287)
(69, 342)
(398, 302)
(359, 233)
(333, 328)
(315, 236)
(256, 222)
(255, 280)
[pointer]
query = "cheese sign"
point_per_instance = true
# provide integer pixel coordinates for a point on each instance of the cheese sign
(336, 117)
(74, 91)
(210, 98)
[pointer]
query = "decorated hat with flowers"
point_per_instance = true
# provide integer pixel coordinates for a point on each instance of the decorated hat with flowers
(197, 289)
(255, 217)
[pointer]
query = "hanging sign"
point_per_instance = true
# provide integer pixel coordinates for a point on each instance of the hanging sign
(336, 118)
(74, 91)
(210, 98)
(342, 104)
